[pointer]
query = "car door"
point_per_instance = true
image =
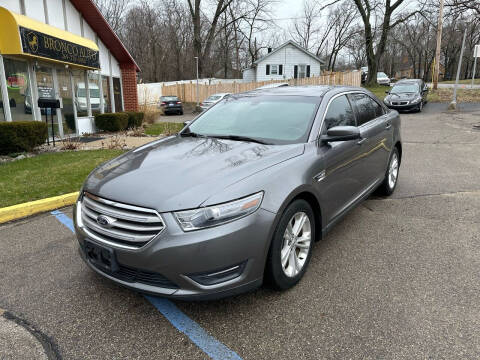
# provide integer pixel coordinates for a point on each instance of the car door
(337, 178)
(376, 133)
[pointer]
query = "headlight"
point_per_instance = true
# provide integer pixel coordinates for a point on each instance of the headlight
(218, 214)
(417, 100)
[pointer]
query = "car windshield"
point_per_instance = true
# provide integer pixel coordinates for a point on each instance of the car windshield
(271, 119)
(381, 74)
(169, 98)
(214, 97)
(404, 88)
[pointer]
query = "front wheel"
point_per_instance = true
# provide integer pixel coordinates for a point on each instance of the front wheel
(391, 176)
(291, 246)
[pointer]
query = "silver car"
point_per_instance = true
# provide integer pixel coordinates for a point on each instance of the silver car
(212, 100)
(239, 197)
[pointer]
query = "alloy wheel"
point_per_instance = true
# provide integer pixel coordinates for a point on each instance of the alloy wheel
(297, 240)
(393, 171)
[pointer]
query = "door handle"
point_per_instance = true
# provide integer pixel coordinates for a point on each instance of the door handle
(360, 142)
(388, 126)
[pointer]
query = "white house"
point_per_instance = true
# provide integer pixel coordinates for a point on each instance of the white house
(288, 61)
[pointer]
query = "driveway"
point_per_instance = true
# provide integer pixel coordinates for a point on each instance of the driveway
(398, 278)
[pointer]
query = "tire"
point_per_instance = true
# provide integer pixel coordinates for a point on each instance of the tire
(181, 112)
(388, 187)
(283, 277)
(420, 106)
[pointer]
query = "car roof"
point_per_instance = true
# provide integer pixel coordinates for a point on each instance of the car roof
(314, 90)
(220, 94)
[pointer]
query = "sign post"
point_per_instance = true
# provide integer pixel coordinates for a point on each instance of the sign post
(476, 55)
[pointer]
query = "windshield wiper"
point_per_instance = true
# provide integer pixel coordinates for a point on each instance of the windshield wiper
(241, 138)
(191, 134)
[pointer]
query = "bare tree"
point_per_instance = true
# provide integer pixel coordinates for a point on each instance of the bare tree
(114, 12)
(384, 12)
(203, 46)
(307, 27)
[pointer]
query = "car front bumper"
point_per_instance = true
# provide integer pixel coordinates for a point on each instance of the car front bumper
(406, 107)
(176, 255)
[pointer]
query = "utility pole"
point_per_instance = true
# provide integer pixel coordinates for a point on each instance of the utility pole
(453, 104)
(198, 99)
(439, 44)
(476, 55)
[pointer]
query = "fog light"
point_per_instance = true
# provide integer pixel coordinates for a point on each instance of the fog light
(219, 276)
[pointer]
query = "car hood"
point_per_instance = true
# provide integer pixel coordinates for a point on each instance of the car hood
(402, 96)
(181, 173)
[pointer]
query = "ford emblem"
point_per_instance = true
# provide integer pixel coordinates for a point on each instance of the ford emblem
(105, 221)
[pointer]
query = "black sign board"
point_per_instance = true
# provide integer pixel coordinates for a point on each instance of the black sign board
(48, 103)
(40, 44)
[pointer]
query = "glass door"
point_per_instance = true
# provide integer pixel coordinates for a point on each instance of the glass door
(66, 96)
(46, 90)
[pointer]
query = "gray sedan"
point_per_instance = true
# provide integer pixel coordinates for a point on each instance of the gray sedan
(239, 197)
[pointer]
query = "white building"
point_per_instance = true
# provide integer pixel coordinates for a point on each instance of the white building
(62, 50)
(288, 61)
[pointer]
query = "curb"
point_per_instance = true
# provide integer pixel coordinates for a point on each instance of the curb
(19, 211)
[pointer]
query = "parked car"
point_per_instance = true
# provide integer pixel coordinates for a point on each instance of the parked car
(171, 104)
(212, 100)
(407, 95)
(240, 195)
(383, 79)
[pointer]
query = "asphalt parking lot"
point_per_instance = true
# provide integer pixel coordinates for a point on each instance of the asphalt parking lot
(398, 278)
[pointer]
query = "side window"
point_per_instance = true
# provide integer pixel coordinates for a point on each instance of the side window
(339, 113)
(378, 108)
(365, 108)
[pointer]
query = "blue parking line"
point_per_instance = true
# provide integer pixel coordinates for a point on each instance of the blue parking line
(207, 343)
(64, 219)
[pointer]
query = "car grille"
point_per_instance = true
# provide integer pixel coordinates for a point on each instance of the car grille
(129, 274)
(123, 225)
(399, 102)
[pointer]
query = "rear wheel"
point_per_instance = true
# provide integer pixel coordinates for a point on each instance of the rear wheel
(390, 182)
(291, 246)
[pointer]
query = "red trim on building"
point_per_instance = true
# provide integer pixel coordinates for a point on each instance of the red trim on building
(97, 22)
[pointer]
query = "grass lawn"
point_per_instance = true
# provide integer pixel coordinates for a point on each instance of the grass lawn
(379, 90)
(48, 175)
(165, 128)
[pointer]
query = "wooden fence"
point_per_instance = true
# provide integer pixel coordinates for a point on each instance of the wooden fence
(187, 91)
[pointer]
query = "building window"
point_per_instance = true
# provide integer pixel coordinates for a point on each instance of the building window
(18, 89)
(117, 94)
(94, 90)
(274, 69)
(80, 92)
(302, 71)
(107, 102)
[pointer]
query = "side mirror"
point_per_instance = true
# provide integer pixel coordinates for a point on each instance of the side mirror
(387, 92)
(341, 133)
(186, 123)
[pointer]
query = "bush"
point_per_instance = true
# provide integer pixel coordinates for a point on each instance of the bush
(135, 119)
(20, 136)
(111, 121)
